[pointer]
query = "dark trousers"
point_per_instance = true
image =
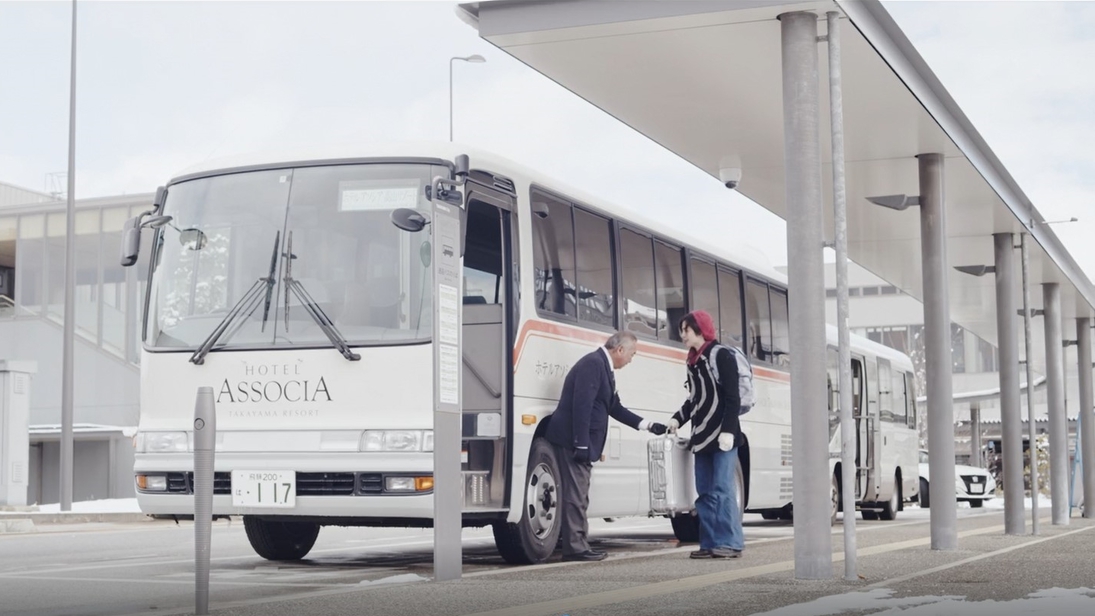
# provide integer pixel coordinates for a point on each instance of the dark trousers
(573, 501)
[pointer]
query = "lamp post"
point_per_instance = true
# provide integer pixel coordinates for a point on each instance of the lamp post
(474, 58)
(67, 445)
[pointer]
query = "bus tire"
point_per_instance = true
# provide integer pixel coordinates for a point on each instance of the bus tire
(277, 540)
(925, 497)
(869, 514)
(686, 527)
(532, 540)
(892, 506)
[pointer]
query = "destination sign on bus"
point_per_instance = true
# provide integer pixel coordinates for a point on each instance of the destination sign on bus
(370, 196)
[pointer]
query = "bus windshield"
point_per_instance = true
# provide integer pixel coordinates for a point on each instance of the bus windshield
(287, 247)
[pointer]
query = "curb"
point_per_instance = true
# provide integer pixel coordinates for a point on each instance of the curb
(25, 522)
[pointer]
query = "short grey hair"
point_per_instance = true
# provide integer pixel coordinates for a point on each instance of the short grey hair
(620, 339)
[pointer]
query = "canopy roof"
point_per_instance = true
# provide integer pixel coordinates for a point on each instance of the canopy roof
(704, 79)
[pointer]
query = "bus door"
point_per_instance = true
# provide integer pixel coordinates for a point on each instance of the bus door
(868, 429)
(488, 299)
(859, 414)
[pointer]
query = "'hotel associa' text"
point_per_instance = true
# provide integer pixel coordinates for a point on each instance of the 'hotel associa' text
(273, 383)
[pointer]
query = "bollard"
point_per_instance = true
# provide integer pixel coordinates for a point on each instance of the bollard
(205, 435)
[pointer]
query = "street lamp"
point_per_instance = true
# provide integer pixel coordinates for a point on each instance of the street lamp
(476, 59)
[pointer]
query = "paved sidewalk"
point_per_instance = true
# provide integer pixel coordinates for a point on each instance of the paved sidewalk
(897, 568)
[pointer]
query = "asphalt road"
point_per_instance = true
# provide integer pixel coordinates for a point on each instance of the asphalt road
(148, 567)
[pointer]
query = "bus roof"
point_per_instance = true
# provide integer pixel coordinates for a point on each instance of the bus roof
(739, 254)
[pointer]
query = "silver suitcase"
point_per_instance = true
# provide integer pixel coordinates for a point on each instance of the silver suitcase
(672, 478)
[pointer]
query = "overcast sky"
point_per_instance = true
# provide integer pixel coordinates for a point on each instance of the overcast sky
(164, 85)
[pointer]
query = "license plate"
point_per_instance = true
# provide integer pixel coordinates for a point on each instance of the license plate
(977, 488)
(264, 489)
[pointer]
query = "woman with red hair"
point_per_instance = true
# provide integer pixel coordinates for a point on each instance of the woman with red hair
(712, 406)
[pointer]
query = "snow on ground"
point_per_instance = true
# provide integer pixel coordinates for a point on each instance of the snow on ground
(882, 602)
(112, 505)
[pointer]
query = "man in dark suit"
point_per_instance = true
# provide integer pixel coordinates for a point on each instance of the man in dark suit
(578, 430)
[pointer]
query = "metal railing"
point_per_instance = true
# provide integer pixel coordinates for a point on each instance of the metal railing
(7, 307)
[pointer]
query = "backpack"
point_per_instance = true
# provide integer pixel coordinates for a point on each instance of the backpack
(745, 375)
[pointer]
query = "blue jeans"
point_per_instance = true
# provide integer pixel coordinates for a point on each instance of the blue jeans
(720, 524)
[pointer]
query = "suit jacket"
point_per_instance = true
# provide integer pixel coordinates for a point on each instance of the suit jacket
(588, 399)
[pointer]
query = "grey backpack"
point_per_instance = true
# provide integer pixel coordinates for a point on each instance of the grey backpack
(745, 375)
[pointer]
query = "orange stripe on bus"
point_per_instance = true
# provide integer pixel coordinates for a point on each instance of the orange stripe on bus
(558, 331)
(567, 332)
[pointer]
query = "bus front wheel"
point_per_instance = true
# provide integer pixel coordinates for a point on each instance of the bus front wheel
(533, 538)
(276, 540)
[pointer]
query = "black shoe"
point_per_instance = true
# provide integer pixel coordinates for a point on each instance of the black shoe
(588, 555)
(725, 553)
(701, 553)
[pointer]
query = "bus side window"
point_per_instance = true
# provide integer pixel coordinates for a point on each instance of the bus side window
(781, 333)
(669, 274)
(910, 399)
(553, 256)
(593, 245)
(637, 281)
(899, 393)
(704, 289)
(758, 320)
(730, 329)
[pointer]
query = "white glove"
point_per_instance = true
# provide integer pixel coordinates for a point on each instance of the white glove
(672, 426)
(726, 441)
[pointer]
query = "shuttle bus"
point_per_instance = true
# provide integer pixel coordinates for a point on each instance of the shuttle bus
(282, 283)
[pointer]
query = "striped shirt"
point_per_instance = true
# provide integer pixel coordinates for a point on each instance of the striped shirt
(711, 407)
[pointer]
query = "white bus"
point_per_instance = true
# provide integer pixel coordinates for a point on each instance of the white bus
(281, 282)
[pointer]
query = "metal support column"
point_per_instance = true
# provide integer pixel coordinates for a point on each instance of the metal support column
(1011, 418)
(937, 347)
(69, 328)
(802, 157)
(844, 352)
(1055, 399)
(1031, 424)
(975, 435)
(1087, 415)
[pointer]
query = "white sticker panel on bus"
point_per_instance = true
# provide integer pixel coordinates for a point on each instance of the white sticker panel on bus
(449, 361)
(448, 314)
(264, 489)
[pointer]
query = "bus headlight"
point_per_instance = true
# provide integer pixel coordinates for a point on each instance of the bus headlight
(162, 442)
(397, 440)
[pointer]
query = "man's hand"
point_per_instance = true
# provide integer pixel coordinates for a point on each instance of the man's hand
(672, 426)
(657, 428)
(726, 441)
(581, 455)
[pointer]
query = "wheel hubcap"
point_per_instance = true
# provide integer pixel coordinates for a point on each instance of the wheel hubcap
(541, 496)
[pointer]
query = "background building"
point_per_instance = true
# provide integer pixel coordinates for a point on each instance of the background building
(881, 312)
(106, 383)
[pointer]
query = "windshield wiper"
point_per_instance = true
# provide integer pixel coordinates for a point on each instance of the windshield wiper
(245, 306)
(270, 281)
(311, 307)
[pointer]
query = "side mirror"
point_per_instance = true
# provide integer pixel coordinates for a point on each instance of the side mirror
(131, 241)
(192, 239)
(409, 220)
(131, 235)
(161, 196)
(461, 165)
